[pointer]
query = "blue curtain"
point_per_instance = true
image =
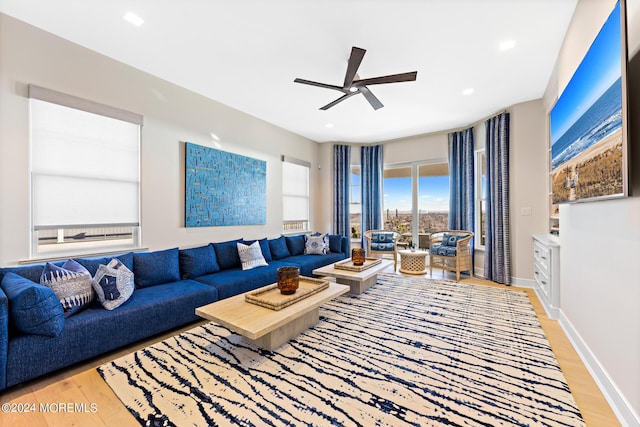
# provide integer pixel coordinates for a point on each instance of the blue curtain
(497, 255)
(461, 181)
(341, 184)
(372, 177)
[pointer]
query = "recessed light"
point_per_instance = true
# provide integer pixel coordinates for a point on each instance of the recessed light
(507, 44)
(468, 91)
(329, 125)
(133, 19)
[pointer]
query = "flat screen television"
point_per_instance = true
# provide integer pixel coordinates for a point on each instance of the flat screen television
(588, 123)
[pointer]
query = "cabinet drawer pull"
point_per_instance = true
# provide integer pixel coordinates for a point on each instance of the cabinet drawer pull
(543, 282)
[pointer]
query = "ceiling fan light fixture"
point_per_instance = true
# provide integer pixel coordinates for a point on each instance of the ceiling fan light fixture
(354, 85)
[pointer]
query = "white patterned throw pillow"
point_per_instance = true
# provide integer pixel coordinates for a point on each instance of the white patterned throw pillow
(251, 255)
(113, 283)
(71, 283)
(316, 245)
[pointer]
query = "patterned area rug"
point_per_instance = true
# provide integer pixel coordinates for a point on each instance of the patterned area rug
(410, 351)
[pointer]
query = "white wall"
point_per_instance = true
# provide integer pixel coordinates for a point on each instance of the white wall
(528, 158)
(600, 243)
(172, 115)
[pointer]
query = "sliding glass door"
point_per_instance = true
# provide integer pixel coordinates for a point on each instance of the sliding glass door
(416, 200)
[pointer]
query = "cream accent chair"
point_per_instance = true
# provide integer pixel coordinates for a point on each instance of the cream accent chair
(451, 250)
(382, 242)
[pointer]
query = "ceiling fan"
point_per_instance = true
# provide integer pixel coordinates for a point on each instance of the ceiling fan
(353, 85)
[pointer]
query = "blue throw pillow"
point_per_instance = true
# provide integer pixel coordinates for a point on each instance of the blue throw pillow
(34, 309)
(196, 262)
(227, 254)
(156, 268)
(71, 283)
(335, 243)
(264, 246)
(451, 240)
(382, 237)
(92, 264)
(278, 248)
(295, 244)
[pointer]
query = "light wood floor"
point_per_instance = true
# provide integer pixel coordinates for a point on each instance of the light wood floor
(81, 384)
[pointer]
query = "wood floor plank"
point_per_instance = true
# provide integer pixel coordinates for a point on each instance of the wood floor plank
(82, 383)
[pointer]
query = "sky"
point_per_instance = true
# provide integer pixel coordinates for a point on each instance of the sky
(433, 193)
(598, 70)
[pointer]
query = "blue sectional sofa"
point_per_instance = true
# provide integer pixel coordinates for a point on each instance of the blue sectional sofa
(38, 336)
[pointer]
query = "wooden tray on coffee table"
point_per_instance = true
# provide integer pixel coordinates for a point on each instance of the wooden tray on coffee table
(347, 264)
(270, 296)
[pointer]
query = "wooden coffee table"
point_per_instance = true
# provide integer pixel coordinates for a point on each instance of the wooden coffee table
(268, 328)
(358, 281)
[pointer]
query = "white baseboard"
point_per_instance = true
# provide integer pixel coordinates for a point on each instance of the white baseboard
(619, 404)
(522, 283)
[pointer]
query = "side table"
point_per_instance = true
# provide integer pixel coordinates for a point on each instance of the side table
(413, 262)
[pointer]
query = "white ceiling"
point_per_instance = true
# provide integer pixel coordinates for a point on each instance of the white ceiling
(246, 54)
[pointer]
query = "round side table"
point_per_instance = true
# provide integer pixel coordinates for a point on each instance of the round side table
(413, 262)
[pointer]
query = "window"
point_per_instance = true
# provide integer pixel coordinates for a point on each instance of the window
(355, 203)
(481, 197)
(398, 206)
(85, 185)
(433, 200)
(295, 194)
(416, 200)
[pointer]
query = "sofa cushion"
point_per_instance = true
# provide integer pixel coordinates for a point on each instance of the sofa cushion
(451, 239)
(251, 255)
(264, 246)
(443, 250)
(308, 263)
(316, 245)
(71, 283)
(113, 284)
(198, 261)
(92, 264)
(34, 309)
(156, 268)
(295, 244)
(236, 281)
(335, 243)
(278, 248)
(31, 272)
(227, 254)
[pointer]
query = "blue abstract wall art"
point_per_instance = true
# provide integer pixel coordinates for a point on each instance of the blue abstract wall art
(223, 188)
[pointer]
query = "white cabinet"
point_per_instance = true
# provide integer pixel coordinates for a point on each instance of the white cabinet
(546, 272)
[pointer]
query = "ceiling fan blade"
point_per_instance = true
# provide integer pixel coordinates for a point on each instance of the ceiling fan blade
(393, 78)
(352, 68)
(375, 102)
(339, 100)
(324, 85)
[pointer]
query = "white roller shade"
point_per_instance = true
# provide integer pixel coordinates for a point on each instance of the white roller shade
(84, 167)
(295, 193)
